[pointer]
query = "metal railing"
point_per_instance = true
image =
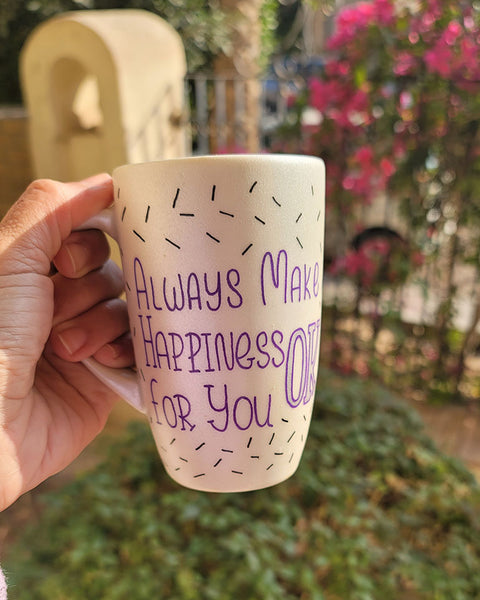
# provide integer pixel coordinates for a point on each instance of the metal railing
(219, 111)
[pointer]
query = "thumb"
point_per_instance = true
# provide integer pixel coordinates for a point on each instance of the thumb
(44, 216)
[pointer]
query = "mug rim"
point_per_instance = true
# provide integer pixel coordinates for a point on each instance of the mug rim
(254, 157)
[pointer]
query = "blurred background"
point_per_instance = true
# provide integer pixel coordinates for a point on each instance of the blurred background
(387, 92)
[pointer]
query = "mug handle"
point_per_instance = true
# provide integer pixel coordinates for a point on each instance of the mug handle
(123, 382)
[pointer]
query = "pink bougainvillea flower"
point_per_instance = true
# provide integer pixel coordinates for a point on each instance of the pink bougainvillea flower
(350, 21)
(366, 11)
(336, 68)
(439, 59)
(404, 63)
(406, 99)
(469, 56)
(453, 31)
(387, 167)
(384, 12)
(364, 156)
(327, 93)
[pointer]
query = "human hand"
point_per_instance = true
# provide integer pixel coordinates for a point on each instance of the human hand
(51, 407)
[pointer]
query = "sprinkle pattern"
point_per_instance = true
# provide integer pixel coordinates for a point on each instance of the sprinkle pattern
(176, 198)
(266, 448)
(254, 187)
(273, 454)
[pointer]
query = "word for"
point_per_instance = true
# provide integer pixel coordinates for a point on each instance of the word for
(241, 412)
(205, 291)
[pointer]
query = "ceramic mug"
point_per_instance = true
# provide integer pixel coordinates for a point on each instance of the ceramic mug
(222, 259)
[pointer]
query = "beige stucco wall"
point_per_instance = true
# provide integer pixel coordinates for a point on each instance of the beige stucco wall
(102, 88)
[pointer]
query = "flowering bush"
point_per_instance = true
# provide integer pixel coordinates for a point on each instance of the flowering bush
(394, 111)
(396, 114)
(377, 261)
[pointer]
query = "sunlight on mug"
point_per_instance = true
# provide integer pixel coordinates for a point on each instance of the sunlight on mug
(222, 259)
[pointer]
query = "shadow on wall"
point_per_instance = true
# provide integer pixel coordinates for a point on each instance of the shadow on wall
(15, 165)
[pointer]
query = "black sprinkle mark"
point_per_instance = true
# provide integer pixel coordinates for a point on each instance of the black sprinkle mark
(249, 442)
(118, 193)
(227, 214)
(269, 466)
(299, 217)
(305, 418)
(138, 235)
(271, 439)
(300, 243)
(127, 285)
(251, 189)
(218, 462)
(199, 475)
(247, 249)
(318, 216)
(225, 450)
(184, 459)
(176, 198)
(212, 237)
(213, 192)
(187, 214)
(285, 420)
(201, 445)
(173, 243)
(276, 201)
(254, 456)
(148, 213)
(172, 441)
(163, 448)
(289, 439)
(177, 469)
(278, 453)
(312, 191)
(260, 220)
(123, 212)
(237, 472)
(291, 458)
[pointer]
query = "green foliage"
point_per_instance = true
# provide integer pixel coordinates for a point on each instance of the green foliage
(269, 22)
(374, 512)
(202, 26)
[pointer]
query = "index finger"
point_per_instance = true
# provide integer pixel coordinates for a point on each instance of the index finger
(34, 228)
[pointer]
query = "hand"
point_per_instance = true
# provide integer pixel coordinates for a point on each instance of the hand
(51, 407)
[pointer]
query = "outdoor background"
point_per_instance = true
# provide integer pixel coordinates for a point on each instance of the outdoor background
(387, 92)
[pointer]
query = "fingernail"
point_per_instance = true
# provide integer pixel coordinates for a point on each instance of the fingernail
(78, 255)
(72, 339)
(114, 350)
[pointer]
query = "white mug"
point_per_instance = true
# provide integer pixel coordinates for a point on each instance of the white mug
(223, 262)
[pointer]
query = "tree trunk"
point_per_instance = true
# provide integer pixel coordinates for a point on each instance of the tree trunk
(241, 70)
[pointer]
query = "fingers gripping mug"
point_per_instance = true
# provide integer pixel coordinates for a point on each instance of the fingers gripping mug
(222, 261)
